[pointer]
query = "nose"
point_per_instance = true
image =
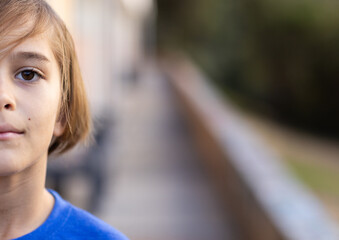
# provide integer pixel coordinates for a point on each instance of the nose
(7, 101)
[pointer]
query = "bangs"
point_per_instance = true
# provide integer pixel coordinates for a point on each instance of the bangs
(20, 20)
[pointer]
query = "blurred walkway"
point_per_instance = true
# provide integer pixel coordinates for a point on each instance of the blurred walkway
(157, 189)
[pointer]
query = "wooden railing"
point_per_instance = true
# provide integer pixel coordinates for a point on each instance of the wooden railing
(265, 200)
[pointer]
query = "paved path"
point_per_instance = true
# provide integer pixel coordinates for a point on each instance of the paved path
(157, 189)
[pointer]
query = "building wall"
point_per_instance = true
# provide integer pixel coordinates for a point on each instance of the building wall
(108, 37)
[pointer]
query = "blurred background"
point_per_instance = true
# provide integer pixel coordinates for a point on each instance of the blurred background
(276, 63)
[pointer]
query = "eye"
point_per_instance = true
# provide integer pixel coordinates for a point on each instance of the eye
(28, 75)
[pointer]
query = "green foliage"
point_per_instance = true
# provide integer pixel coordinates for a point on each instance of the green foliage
(318, 176)
(280, 53)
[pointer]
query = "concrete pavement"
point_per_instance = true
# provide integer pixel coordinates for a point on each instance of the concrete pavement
(157, 187)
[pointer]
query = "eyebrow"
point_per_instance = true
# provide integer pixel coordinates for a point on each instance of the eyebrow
(31, 56)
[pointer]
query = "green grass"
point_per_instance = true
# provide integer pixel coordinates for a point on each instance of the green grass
(320, 177)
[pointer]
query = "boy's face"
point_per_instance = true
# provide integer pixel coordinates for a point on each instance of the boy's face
(29, 104)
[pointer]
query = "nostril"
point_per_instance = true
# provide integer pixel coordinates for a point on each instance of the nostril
(7, 106)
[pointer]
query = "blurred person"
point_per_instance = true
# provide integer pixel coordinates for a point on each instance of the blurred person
(43, 110)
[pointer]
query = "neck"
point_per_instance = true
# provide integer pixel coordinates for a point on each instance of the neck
(24, 202)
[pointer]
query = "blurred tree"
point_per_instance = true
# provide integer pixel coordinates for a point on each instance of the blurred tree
(284, 54)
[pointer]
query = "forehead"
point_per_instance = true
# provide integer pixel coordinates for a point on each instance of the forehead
(38, 44)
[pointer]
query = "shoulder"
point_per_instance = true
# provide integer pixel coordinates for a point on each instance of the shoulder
(80, 224)
(83, 224)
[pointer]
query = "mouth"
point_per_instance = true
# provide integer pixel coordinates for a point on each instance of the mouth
(8, 132)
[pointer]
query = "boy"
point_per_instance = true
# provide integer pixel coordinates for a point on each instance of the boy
(43, 109)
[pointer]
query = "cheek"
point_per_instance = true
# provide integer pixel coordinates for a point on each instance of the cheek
(41, 110)
(42, 118)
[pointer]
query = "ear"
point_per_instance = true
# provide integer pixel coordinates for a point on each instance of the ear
(59, 128)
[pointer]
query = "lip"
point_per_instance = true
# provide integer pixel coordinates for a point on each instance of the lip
(8, 132)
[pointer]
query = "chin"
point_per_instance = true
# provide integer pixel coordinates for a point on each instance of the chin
(10, 166)
(7, 171)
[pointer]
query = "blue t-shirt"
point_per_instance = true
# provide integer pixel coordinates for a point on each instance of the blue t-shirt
(69, 222)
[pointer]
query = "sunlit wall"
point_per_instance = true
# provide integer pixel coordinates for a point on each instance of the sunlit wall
(109, 40)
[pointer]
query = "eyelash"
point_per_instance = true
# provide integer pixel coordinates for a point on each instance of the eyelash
(36, 73)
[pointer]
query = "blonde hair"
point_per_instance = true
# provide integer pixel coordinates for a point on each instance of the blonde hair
(23, 19)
